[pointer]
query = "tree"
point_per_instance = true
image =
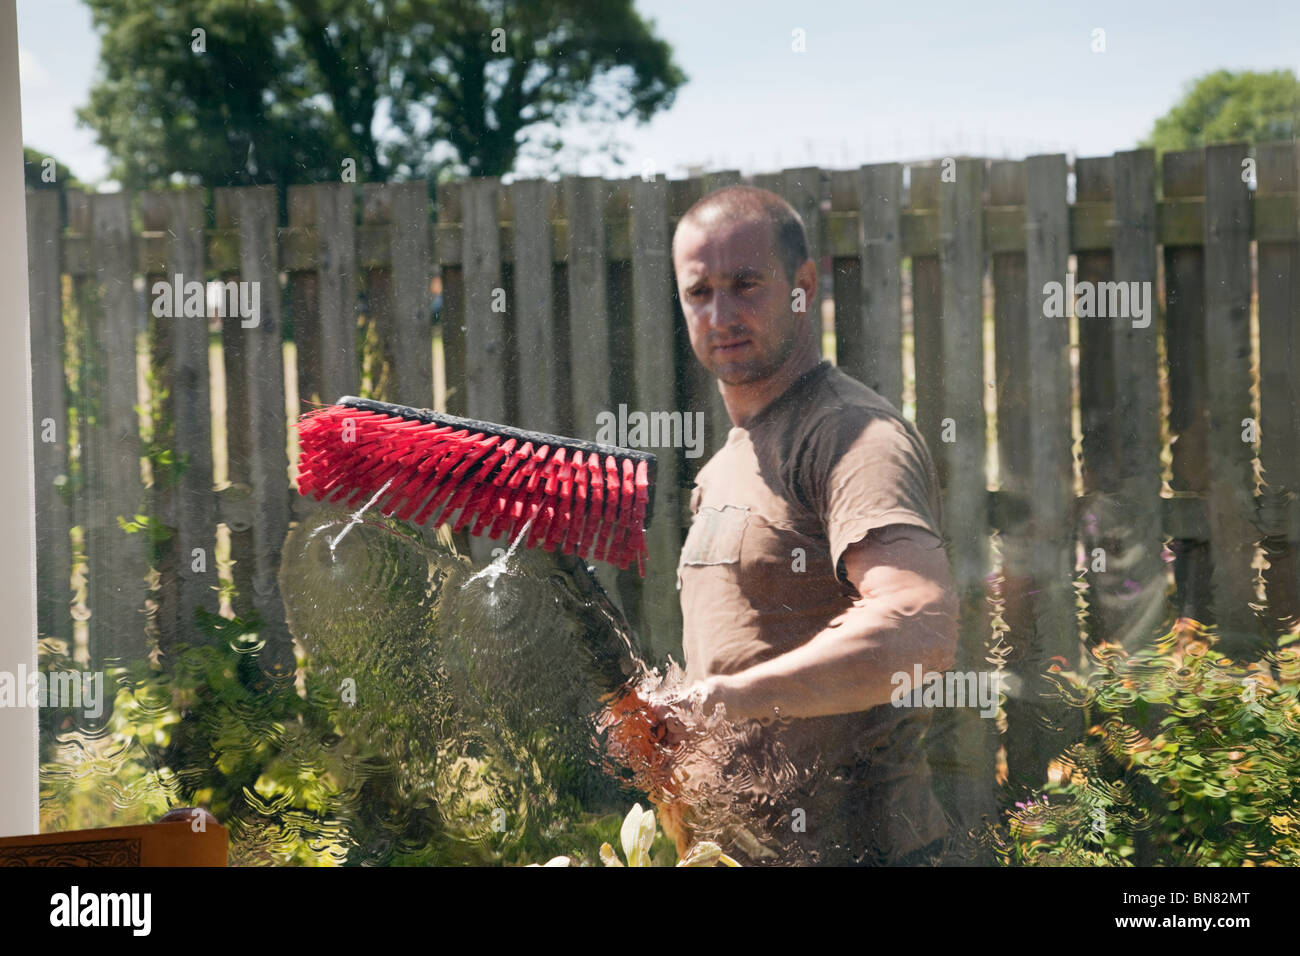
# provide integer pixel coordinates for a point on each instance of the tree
(42, 171)
(228, 92)
(1225, 107)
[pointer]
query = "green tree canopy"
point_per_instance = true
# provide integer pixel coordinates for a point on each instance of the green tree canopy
(1225, 107)
(284, 91)
(40, 174)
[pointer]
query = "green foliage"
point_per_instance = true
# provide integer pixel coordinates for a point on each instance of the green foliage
(284, 91)
(1190, 761)
(273, 762)
(34, 172)
(1226, 107)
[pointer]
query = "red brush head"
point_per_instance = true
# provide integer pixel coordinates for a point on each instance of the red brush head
(420, 465)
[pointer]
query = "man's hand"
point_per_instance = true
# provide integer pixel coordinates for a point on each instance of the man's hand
(676, 711)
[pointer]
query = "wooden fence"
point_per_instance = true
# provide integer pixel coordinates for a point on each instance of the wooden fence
(933, 266)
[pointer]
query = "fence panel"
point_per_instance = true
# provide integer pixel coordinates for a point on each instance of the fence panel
(592, 321)
(1184, 177)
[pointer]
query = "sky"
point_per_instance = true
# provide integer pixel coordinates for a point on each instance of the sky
(876, 82)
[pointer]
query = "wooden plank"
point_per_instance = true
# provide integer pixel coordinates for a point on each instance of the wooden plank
(79, 332)
(656, 387)
(961, 749)
(1011, 351)
(591, 386)
(411, 322)
(484, 297)
(1010, 510)
(879, 357)
(1038, 545)
(1183, 174)
(802, 189)
(1137, 398)
(1131, 618)
(962, 381)
(304, 302)
(164, 621)
(927, 308)
(485, 301)
(1228, 381)
(1279, 388)
(118, 561)
(1050, 433)
(268, 462)
(51, 467)
(846, 286)
(333, 214)
(541, 367)
(234, 358)
(194, 513)
(453, 311)
(1095, 183)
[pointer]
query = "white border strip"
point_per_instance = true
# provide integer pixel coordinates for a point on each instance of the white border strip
(19, 753)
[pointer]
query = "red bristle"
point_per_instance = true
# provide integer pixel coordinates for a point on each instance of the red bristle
(563, 508)
(618, 542)
(546, 515)
(416, 470)
(509, 480)
(476, 488)
(464, 477)
(573, 535)
(449, 479)
(494, 500)
(412, 458)
(524, 484)
(607, 519)
(637, 541)
(596, 500)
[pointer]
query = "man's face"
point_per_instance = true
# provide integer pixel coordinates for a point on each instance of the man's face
(736, 299)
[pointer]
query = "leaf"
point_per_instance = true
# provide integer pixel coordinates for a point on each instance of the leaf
(645, 838)
(628, 834)
(608, 856)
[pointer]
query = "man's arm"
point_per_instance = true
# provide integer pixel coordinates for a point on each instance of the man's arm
(906, 615)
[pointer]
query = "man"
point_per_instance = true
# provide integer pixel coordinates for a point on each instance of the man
(814, 569)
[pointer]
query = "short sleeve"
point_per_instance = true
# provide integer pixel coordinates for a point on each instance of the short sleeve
(863, 470)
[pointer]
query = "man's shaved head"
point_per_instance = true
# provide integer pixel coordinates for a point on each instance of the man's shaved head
(733, 204)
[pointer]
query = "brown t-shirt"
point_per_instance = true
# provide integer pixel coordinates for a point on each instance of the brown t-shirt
(761, 573)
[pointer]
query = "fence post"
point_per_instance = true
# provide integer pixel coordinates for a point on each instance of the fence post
(1228, 378)
(656, 378)
(50, 416)
(964, 743)
(878, 358)
(268, 461)
(1279, 385)
(1050, 438)
(117, 559)
(542, 368)
(486, 360)
(1184, 177)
